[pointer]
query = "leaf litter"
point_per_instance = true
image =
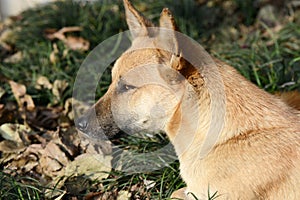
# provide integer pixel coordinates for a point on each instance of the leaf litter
(70, 41)
(41, 142)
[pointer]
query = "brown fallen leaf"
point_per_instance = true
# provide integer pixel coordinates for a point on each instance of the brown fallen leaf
(59, 86)
(25, 161)
(18, 90)
(91, 166)
(53, 55)
(46, 159)
(7, 146)
(43, 82)
(8, 113)
(15, 58)
(94, 166)
(70, 141)
(107, 195)
(52, 160)
(72, 42)
(149, 183)
(77, 43)
(80, 108)
(8, 36)
(11, 132)
(43, 117)
(28, 102)
(95, 146)
(24, 100)
(2, 92)
(52, 33)
(123, 195)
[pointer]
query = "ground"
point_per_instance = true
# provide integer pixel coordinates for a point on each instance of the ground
(42, 156)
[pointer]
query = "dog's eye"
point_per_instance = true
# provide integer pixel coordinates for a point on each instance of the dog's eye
(124, 87)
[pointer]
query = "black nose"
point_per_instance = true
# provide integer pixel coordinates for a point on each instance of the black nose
(82, 123)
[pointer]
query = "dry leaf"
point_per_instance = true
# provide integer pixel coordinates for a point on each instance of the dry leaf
(70, 141)
(7, 146)
(59, 86)
(53, 55)
(25, 161)
(72, 42)
(149, 184)
(8, 113)
(52, 160)
(18, 90)
(124, 195)
(61, 195)
(65, 53)
(2, 92)
(52, 34)
(47, 159)
(10, 132)
(7, 36)
(42, 117)
(15, 58)
(77, 43)
(107, 195)
(95, 146)
(23, 100)
(70, 104)
(54, 152)
(93, 166)
(49, 33)
(43, 82)
(28, 102)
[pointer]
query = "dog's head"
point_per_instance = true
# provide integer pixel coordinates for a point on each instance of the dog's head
(148, 81)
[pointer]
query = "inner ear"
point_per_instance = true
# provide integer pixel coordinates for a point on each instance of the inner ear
(171, 76)
(186, 70)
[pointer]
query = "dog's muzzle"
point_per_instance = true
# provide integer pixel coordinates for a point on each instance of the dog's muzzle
(82, 123)
(96, 128)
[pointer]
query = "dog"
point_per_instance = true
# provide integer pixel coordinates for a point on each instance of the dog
(256, 154)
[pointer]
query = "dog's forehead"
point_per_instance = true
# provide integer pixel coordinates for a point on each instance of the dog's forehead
(136, 58)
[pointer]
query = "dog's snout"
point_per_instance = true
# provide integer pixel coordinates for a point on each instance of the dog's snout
(82, 123)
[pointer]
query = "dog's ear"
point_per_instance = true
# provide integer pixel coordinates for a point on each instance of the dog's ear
(168, 38)
(173, 42)
(137, 23)
(167, 20)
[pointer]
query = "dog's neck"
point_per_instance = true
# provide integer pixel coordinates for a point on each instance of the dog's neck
(249, 108)
(194, 114)
(190, 121)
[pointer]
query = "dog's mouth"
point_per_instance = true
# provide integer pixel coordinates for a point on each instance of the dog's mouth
(99, 134)
(96, 132)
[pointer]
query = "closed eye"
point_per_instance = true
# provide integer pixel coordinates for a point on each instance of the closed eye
(122, 87)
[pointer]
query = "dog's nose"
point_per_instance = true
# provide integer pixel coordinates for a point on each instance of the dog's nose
(82, 123)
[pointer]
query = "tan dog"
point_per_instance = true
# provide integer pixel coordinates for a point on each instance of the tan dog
(257, 153)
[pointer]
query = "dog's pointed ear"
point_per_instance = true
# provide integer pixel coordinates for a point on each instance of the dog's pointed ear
(167, 20)
(168, 38)
(173, 42)
(137, 23)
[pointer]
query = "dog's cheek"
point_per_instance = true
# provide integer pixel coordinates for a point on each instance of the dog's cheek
(153, 106)
(122, 114)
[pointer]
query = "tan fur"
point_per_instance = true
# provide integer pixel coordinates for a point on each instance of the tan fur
(291, 98)
(257, 155)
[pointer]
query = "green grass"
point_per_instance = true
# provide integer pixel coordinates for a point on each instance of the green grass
(269, 59)
(19, 188)
(271, 63)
